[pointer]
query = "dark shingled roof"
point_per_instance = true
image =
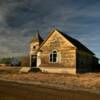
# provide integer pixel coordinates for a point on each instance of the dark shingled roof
(76, 43)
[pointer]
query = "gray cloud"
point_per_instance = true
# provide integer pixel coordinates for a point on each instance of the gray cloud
(20, 19)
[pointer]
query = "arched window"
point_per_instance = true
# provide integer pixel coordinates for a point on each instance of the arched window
(53, 56)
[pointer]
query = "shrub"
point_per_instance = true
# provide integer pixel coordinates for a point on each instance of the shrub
(35, 70)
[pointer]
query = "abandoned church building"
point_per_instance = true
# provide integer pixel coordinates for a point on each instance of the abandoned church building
(60, 53)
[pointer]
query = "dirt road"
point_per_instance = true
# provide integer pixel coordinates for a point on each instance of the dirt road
(15, 91)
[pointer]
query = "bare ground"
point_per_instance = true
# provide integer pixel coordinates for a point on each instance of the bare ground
(85, 82)
(19, 91)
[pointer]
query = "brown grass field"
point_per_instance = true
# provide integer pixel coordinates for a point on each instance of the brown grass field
(44, 86)
(15, 91)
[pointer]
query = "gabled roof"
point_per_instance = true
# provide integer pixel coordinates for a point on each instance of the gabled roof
(75, 42)
(37, 38)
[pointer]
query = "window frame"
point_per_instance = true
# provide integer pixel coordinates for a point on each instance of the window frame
(53, 56)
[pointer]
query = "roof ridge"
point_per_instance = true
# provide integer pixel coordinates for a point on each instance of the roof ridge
(76, 42)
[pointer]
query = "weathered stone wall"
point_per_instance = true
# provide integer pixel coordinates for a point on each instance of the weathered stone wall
(65, 50)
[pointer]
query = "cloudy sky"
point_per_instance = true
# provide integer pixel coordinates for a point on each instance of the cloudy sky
(20, 20)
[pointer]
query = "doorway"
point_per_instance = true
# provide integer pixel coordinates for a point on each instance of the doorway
(33, 60)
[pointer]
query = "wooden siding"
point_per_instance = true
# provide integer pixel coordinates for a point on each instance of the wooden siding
(84, 61)
(32, 49)
(66, 52)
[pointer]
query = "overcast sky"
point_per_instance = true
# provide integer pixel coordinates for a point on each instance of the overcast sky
(20, 20)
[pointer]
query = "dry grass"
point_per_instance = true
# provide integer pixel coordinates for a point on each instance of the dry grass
(89, 82)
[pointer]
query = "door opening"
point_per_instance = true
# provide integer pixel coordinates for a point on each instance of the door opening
(33, 60)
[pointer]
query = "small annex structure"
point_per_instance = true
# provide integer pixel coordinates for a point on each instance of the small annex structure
(60, 53)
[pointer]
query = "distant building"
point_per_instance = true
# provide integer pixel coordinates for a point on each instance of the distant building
(60, 53)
